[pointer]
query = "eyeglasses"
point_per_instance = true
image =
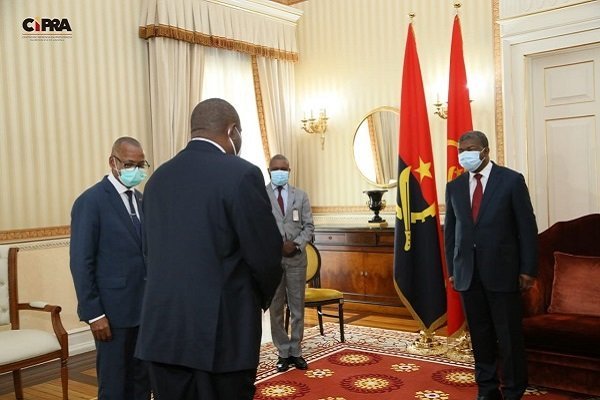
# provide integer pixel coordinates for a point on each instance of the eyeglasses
(142, 164)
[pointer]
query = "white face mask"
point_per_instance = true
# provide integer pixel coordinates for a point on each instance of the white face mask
(470, 160)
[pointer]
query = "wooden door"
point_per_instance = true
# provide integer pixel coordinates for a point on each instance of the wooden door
(563, 152)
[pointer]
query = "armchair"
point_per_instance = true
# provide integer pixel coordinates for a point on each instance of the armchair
(22, 348)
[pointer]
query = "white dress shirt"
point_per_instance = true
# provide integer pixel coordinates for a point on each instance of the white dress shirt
(485, 175)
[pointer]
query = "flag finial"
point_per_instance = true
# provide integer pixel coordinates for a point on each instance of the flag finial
(411, 15)
(457, 6)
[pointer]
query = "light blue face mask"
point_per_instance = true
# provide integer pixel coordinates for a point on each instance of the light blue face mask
(470, 160)
(132, 176)
(280, 177)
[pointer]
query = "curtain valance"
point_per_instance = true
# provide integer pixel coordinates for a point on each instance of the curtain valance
(256, 27)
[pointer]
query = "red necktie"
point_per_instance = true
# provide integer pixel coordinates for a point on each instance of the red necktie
(477, 195)
(280, 200)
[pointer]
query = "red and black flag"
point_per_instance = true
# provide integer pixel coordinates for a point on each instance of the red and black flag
(459, 122)
(418, 268)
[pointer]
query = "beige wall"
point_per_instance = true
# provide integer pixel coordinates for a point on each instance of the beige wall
(63, 103)
(44, 275)
(351, 56)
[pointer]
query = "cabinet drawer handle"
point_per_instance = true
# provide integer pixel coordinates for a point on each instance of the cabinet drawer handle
(330, 237)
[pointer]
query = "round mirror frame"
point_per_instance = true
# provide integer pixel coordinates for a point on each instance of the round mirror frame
(390, 182)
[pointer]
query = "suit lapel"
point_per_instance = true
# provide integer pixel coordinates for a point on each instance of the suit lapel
(463, 193)
(114, 198)
(274, 204)
(291, 198)
(490, 187)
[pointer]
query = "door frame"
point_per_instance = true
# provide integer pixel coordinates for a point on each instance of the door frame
(521, 38)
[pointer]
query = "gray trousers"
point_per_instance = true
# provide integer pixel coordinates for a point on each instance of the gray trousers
(291, 286)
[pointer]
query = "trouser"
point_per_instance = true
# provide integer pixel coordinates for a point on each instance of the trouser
(495, 324)
(173, 382)
(121, 376)
(291, 287)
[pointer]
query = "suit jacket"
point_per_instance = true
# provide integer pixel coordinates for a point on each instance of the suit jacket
(300, 231)
(106, 257)
(213, 254)
(502, 243)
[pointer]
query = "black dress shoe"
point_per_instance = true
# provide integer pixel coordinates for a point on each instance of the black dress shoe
(299, 362)
(283, 364)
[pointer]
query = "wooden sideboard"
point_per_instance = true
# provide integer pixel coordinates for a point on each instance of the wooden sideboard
(358, 261)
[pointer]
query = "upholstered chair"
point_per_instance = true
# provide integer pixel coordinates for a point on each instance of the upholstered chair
(22, 348)
(316, 296)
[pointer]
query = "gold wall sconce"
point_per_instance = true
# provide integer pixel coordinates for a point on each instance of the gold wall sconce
(318, 125)
(441, 109)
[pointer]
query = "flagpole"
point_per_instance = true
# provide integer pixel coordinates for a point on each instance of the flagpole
(458, 122)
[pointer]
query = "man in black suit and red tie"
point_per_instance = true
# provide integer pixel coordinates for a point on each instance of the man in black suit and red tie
(491, 252)
(213, 254)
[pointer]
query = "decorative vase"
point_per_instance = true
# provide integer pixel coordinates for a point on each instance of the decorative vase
(376, 205)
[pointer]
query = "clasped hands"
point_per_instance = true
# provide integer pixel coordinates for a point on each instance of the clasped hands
(289, 248)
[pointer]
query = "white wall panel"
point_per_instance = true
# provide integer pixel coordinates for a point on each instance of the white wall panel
(63, 103)
(351, 56)
(514, 8)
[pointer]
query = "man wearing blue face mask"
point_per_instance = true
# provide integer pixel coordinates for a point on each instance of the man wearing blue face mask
(491, 253)
(293, 214)
(109, 271)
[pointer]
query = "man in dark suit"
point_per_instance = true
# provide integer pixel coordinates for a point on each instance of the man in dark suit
(213, 254)
(109, 271)
(491, 252)
(292, 212)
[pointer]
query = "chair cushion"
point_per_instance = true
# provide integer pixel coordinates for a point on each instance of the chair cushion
(319, 294)
(575, 286)
(17, 345)
(563, 333)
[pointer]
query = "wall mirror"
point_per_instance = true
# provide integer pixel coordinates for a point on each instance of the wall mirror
(375, 146)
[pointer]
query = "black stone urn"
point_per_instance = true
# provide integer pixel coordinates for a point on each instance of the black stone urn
(376, 205)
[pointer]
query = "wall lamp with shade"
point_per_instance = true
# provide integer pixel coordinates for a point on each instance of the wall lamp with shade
(317, 125)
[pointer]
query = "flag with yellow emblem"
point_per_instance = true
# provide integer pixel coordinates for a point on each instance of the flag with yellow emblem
(459, 122)
(418, 268)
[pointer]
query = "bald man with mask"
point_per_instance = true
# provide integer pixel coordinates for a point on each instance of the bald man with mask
(213, 255)
(109, 272)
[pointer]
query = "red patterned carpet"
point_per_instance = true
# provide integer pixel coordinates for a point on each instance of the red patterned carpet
(372, 364)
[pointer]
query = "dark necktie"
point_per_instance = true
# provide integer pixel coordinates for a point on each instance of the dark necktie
(134, 218)
(477, 196)
(280, 200)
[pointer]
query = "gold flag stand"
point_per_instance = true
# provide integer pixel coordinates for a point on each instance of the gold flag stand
(461, 350)
(427, 345)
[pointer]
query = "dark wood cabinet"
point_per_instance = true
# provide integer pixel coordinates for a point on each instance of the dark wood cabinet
(359, 262)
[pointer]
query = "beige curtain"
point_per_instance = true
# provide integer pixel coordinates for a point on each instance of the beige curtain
(176, 70)
(278, 99)
(178, 32)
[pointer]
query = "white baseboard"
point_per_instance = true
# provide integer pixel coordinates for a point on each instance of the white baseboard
(80, 341)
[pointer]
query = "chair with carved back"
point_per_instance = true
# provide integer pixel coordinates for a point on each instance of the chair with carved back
(316, 296)
(23, 348)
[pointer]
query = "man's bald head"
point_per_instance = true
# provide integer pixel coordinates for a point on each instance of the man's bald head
(213, 117)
